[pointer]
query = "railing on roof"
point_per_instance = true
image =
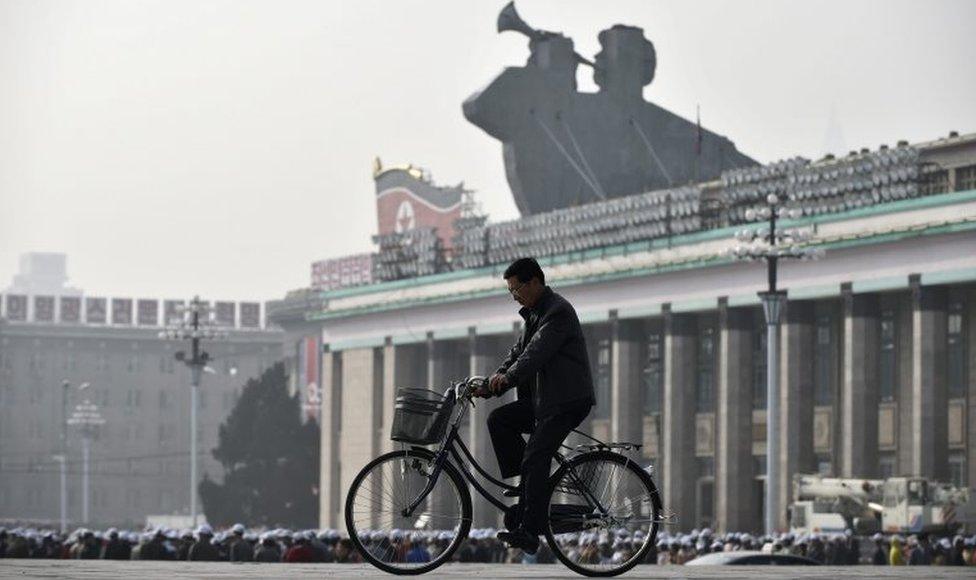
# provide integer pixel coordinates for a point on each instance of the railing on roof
(828, 186)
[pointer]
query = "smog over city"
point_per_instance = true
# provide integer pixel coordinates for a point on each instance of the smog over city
(402, 286)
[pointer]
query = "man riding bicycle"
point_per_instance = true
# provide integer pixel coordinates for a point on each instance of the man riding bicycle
(550, 369)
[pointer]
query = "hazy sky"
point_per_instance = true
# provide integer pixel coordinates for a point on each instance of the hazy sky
(218, 147)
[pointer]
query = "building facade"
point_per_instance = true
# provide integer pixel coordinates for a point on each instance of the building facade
(878, 347)
(140, 457)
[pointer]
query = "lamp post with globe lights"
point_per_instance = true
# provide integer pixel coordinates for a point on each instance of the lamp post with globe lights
(766, 243)
(194, 325)
(62, 458)
(88, 419)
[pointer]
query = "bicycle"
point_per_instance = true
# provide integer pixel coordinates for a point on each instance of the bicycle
(596, 494)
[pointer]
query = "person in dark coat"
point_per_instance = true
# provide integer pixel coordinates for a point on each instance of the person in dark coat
(956, 556)
(203, 549)
(880, 555)
(115, 548)
(239, 549)
(90, 549)
(153, 548)
(268, 551)
(550, 370)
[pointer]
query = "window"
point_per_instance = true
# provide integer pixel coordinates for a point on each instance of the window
(34, 429)
(166, 432)
(132, 364)
(886, 465)
(888, 357)
(957, 469)
(934, 180)
(652, 375)
(164, 400)
(966, 178)
(603, 362)
(101, 362)
(166, 363)
(823, 362)
(759, 363)
(956, 351)
(705, 399)
(706, 490)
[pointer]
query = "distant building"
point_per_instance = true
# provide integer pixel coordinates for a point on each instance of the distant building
(878, 339)
(343, 272)
(140, 458)
(42, 273)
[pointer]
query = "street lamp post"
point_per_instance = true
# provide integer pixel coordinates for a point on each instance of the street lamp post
(194, 326)
(63, 457)
(87, 417)
(767, 244)
(65, 385)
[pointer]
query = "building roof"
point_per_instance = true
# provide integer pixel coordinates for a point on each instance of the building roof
(913, 218)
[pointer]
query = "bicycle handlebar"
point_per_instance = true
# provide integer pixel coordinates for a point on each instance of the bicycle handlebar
(465, 389)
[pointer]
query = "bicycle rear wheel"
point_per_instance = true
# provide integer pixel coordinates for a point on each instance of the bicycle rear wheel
(393, 542)
(604, 514)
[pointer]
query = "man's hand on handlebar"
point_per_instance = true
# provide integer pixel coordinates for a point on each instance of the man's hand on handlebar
(497, 383)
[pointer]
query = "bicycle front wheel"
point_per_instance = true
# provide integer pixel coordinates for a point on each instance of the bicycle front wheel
(411, 544)
(604, 514)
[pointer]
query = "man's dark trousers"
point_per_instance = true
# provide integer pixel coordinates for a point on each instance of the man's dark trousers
(533, 459)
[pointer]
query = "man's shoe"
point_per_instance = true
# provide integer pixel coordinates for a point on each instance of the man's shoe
(527, 542)
(517, 492)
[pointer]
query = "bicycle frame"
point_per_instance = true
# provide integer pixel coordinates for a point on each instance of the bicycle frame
(449, 448)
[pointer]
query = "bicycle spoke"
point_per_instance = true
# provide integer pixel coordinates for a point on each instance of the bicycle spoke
(619, 520)
(375, 506)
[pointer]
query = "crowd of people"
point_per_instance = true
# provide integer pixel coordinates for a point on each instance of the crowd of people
(238, 544)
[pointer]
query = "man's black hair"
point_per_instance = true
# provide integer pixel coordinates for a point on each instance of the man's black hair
(525, 269)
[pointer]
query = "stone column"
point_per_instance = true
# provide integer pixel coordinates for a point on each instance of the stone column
(797, 336)
(486, 353)
(678, 465)
(329, 485)
(360, 414)
(859, 386)
(969, 327)
(733, 459)
(390, 384)
(929, 359)
(903, 335)
(626, 420)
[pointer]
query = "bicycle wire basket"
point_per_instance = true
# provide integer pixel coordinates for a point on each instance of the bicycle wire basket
(420, 416)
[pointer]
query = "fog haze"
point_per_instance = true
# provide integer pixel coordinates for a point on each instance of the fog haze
(173, 148)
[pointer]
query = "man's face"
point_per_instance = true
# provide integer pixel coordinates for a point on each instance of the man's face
(525, 293)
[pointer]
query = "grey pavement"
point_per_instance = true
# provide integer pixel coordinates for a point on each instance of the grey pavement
(92, 569)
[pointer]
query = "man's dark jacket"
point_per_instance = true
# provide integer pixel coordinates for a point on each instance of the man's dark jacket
(549, 363)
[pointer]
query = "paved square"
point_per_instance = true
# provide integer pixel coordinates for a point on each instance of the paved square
(99, 569)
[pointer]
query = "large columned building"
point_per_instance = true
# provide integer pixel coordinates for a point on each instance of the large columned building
(877, 344)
